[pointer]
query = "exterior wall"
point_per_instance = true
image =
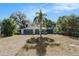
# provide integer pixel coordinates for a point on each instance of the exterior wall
(22, 31)
(36, 31)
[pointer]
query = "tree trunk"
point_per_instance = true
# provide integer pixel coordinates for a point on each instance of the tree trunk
(40, 30)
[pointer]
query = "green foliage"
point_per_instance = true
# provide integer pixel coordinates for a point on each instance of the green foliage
(49, 23)
(0, 23)
(20, 19)
(38, 20)
(8, 27)
(68, 25)
(40, 17)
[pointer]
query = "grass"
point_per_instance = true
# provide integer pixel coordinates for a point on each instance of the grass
(60, 46)
(40, 44)
(29, 46)
(54, 44)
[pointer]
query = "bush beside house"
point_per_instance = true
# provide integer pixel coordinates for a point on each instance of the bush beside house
(8, 27)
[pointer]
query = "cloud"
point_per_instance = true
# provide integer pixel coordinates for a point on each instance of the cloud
(65, 7)
(49, 8)
(31, 10)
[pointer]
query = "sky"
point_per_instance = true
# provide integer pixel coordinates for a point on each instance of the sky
(53, 10)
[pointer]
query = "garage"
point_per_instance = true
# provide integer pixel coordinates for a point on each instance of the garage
(28, 31)
(35, 30)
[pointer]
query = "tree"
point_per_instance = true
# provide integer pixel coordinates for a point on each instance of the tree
(0, 28)
(8, 27)
(61, 24)
(40, 17)
(20, 19)
(68, 25)
(48, 23)
(0, 23)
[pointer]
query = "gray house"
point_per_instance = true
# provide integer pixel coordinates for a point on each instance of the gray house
(35, 30)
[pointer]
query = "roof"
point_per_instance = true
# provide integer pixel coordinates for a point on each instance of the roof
(34, 27)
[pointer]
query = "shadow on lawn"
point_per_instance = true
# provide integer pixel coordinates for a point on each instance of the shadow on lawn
(40, 44)
(39, 47)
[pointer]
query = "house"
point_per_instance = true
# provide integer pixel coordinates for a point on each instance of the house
(35, 30)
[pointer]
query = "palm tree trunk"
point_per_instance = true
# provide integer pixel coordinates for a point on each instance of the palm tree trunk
(40, 30)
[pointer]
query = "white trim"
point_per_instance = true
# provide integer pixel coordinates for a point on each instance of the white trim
(22, 31)
(33, 31)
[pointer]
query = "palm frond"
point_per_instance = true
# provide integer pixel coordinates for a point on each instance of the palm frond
(35, 19)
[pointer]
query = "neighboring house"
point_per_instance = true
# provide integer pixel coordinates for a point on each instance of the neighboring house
(35, 30)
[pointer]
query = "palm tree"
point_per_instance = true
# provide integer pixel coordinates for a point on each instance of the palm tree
(40, 17)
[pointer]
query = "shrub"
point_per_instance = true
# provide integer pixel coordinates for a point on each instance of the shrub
(39, 39)
(8, 27)
(68, 25)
